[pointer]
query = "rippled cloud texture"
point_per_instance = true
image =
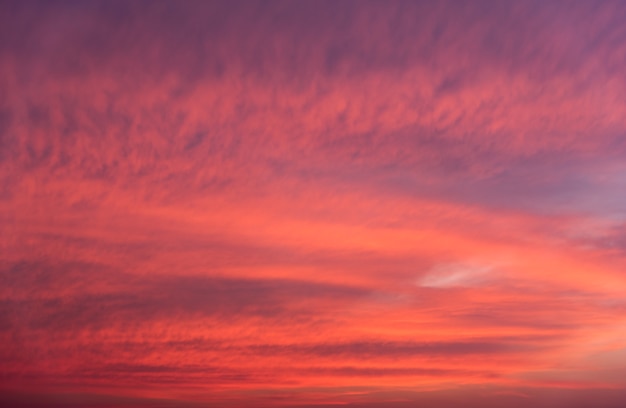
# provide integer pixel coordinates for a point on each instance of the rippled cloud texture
(311, 203)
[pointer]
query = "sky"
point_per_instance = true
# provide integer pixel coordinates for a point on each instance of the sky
(357, 204)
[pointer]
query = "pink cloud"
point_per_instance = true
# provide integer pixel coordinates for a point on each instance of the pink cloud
(265, 204)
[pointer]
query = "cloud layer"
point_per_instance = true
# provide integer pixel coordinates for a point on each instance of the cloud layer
(312, 203)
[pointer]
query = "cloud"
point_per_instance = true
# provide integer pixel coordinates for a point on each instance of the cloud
(146, 299)
(297, 202)
(450, 275)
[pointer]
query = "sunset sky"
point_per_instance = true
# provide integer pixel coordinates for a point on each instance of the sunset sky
(357, 204)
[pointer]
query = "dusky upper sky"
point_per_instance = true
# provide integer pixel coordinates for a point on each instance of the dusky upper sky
(313, 203)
